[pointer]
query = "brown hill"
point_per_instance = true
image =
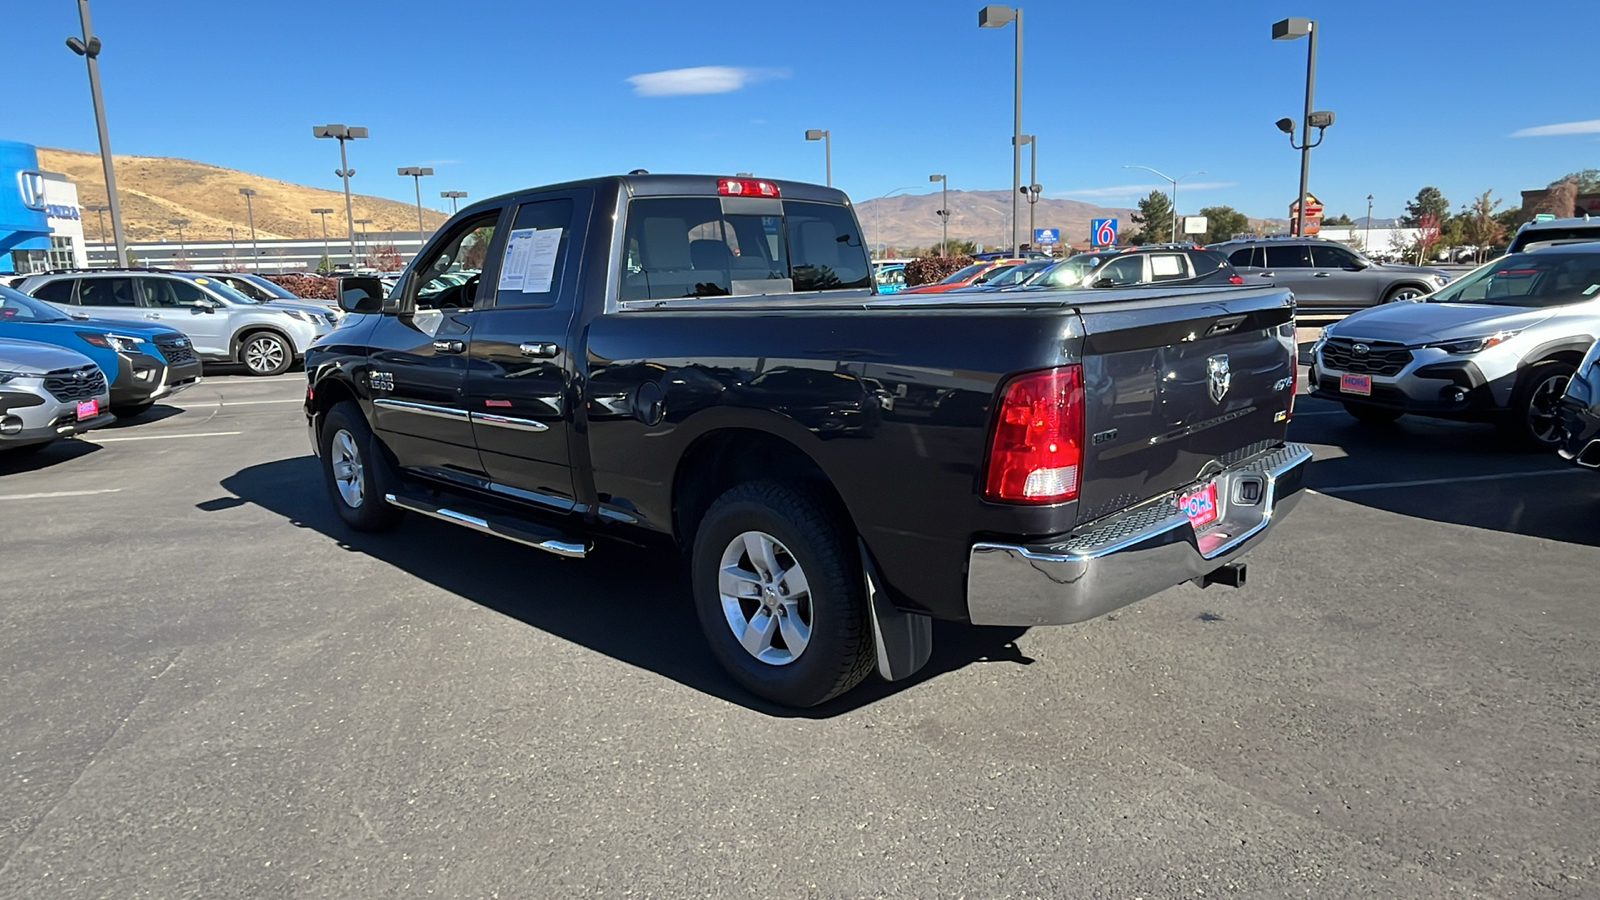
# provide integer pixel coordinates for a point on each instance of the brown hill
(910, 220)
(154, 189)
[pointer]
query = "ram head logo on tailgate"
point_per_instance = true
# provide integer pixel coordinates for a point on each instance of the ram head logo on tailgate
(1218, 377)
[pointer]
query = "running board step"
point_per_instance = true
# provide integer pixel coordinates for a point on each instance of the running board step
(549, 540)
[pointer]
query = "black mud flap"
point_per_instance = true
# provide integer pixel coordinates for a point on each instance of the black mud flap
(903, 640)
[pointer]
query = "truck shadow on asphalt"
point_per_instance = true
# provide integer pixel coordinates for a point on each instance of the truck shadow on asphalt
(628, 603)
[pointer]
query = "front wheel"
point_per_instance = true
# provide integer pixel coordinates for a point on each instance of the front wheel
(353, 469)
(780, 595)
(1372, 415)
(1535, 412)
(265, 353)
(1404, 292)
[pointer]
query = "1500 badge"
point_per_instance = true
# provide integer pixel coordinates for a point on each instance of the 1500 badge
(381, 381)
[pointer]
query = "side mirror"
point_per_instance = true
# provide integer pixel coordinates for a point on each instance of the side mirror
(360, 294)
(1103, 283)
(1358, 265)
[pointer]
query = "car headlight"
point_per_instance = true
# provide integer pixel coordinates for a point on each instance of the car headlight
(297, 314)
(332, 317)
(8, 377)
(1474, 344)
(1440, 280)
(121, 343)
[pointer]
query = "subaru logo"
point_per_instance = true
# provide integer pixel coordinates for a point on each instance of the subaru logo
(78, 376)
(31, 186)
(1218, 378)
(1360, 349)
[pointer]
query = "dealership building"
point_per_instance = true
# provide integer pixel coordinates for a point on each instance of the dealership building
(41, 224)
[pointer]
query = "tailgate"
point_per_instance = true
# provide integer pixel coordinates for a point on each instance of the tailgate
(1177, 387)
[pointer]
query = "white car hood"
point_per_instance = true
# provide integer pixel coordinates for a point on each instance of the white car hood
(36, 359)
(1420, 322)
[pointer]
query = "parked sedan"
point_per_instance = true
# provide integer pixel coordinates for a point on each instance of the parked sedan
(48, 393)
(143, 362)
(1137, 266)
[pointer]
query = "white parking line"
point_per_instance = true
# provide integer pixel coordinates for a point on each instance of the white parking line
(261, 402)
(1502, 476)
(51, 494)
(160, 437)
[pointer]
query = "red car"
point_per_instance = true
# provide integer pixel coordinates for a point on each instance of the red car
(977, 273)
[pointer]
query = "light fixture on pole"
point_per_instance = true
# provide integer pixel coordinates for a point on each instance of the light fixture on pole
(250, 210)
(342, 133)
(323, 211)
(1368, 241)
(1288, 30)
(826, 137)
(877, 218)
(997, 16)
(1033, 188)
(183, 249)
(89, 47)
(100, 213)
(943, 212)
(417, 173)
(453, 197)
(1174, 182)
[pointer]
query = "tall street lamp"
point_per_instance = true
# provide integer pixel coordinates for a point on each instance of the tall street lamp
(1288, 30)
(323, 211)
(997, 16)
(878, 216)
(417, 173)
(100, 213)
(943, 212)
(826, 137)
(1174, 182)
(233, 250)
(363, 223)
(183, 249)
(250, 210)
(88, 47)
(453, 197)
(1033, 188)
(1367, 243)
(342, 133)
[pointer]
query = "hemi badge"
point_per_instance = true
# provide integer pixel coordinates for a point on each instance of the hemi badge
(497, 403)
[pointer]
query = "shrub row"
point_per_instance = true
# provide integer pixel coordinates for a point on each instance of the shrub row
(311, 287)
(930, 269)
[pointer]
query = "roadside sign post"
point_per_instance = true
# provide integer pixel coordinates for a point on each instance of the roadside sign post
(1313, 216)
(1102, 232)
(1046, 236)
(1195, 224)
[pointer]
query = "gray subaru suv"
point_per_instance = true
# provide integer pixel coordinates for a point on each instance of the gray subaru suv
(1326, 276)
(1498, 345)
(223, 324)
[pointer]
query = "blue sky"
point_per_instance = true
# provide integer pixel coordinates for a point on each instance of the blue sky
(502, 95)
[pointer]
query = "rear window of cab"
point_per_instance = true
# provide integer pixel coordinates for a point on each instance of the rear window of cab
(691, 247)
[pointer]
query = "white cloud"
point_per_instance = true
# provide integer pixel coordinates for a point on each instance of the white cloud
(1591, 126)
(1134, 190)
(699, 80)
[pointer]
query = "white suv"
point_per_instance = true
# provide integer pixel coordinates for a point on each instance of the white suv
(223, 324)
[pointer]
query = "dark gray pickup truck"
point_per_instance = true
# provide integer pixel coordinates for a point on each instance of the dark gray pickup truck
(703, 362)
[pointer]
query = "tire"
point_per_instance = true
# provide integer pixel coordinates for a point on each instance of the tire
(1534, 417)
(829, 625)
(266, 353)
(355, 471)
(1405, 292)
(1372, 415)
(132, 410)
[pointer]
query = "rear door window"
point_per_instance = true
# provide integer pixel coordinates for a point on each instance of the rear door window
(1249, 257)
(825, 249)
(1121, 271)
(172, 293)
(59, 291)
(107, 292)
(1169, 267)
(1288, 256)
(1328, 257)
(534, 264)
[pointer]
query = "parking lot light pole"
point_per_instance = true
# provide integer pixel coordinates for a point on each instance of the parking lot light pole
(363, 223)
(417, 173)
(1174, 182)
(342, 133)
(250, 210)
(323, 212)
(826, 137)
(1033, 188)
(943, 212)
(89, 47)
(1368, 241)
(100, 213)
(998, 16)
(183, 250)
(453, 197)
(1288, 30)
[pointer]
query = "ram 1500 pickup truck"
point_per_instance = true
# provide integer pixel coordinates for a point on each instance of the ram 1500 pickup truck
(704, 362)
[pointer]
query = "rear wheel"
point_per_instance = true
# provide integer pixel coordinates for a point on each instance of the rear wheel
(265, 353)
(780, 596)
(1372, 415)
(1535, 414)
(354, 470)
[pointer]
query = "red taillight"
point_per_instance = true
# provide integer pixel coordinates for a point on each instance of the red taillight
(1037, 452)
(746, 187)
(1235, 279)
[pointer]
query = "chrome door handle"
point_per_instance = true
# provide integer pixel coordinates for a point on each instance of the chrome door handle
(1324, 274)
(152, 315)
(449, 346)
(1268, 274)
(539, 349)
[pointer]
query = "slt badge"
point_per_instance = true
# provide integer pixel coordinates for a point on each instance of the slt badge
(1218, 378)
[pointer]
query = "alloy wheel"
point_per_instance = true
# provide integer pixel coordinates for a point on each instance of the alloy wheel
(264, 354)
(765, 598)
(347, 470)
(1544, 409)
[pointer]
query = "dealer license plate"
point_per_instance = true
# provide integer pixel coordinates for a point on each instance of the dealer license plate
(1355, 384)
(88, 409)
(1200, 505)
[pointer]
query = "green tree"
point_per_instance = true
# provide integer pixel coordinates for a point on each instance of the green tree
(324, 265)
(1508, 219)
(1340, 219)
(1586, 181)
(1154, 219)
(1222, 223)
(1429, 200)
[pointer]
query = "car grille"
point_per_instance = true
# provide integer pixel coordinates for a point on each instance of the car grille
(177, 350)
(1378, 358)
(69, 385)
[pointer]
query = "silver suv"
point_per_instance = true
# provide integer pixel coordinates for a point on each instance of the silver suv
(1498, 345)
(1326, 276)
(1550, 231)
(48, 392)
(223, 324)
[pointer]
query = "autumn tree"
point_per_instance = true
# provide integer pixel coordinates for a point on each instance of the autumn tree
(1154, 219)
(1479, 225)
(1223, 223)
(1561, 199)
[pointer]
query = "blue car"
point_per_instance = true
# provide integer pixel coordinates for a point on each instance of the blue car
(143, 363)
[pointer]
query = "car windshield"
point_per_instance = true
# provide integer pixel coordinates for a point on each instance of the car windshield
(1529, 280)
(271, 288)
(17, 306)
(1066, 274)
(1018, 274)
(230, 294)
(961, 275)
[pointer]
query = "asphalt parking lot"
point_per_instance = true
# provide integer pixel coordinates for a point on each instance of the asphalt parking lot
(209, 688)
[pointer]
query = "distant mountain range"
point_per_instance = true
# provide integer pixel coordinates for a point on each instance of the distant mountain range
(911, 220)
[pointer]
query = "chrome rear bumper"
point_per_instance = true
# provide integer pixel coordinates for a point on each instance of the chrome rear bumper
(1133, 554)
